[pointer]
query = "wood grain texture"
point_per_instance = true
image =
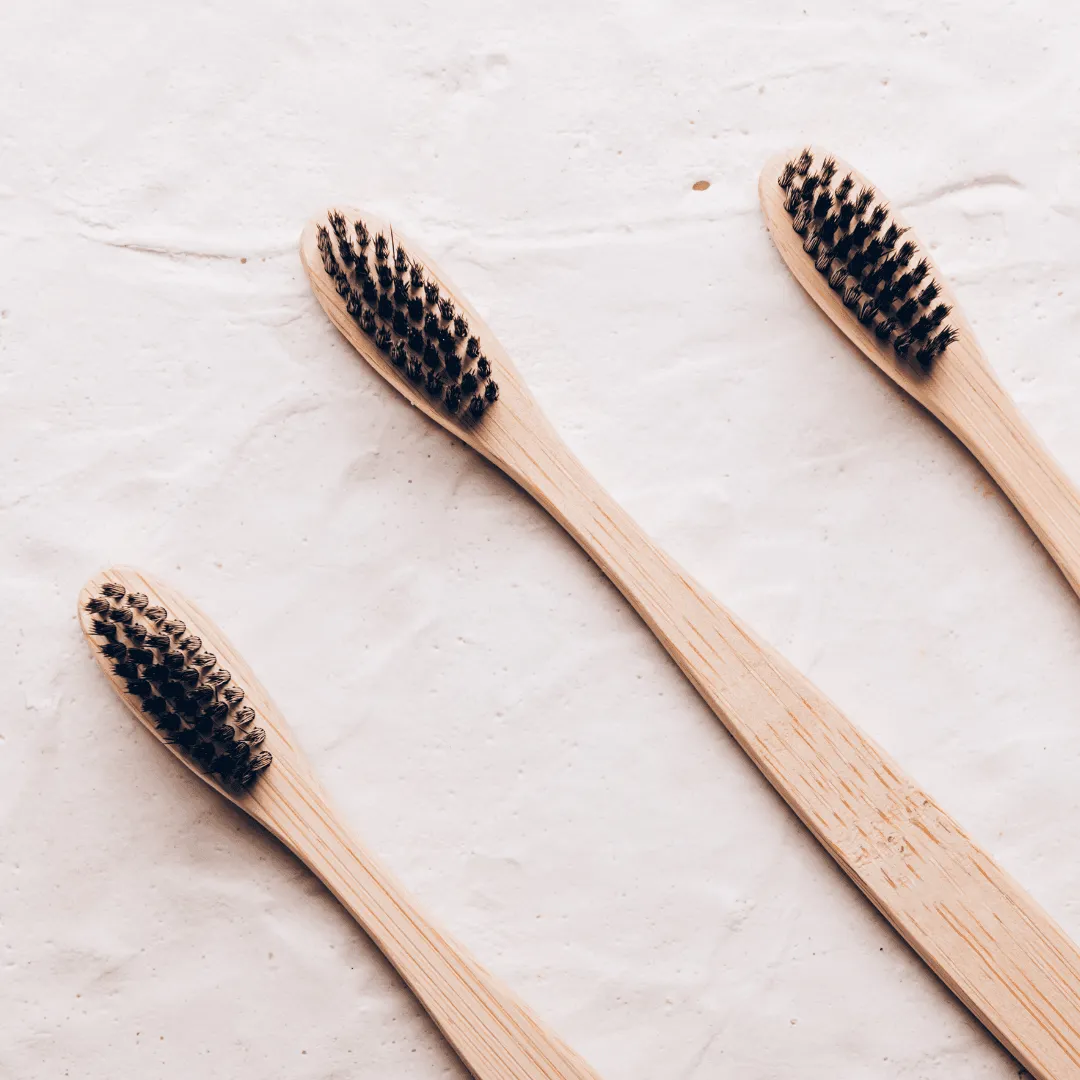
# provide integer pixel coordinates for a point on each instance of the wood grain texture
(986, 939)
(494, 1034)
(961, 391)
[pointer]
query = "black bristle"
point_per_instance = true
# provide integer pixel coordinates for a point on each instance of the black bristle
(97, 605)
(469, 383)
(863, 201)
(823, 204)
(907, 311)
(903, 256)
(114, 650)
(793, 200)
(809, 186)
(837, 279)
(874, 250)
(113, 591)
(922, 328)
(867, 310)
(843, 189)
(140, 688)
(828, 170)
(811, 244)
(860, 233)
(341, 231)
(405, 315)
(787, 175)
(828, 229)
(453, 398)
(483, 367)
(174, 627)
(123, 616)
(136, 633)
(125, 669)
(902, 342)
(155, 706)
(845, 214)
(802, 221)
(842, 247)
(157, 641)
(943, 340)
(878, 218)
(937, 316)
(156, 614)
(260, 760)
(491, 392)
(929, 294)
(803, 163)
(244, 715)
(138, 600)
(476, 407)
(823, 261)
(852, 295)
(892, 234)
(857, 264)
(103, 629)
(142, 657)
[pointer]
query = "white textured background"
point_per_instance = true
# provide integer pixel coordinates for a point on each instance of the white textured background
(487, 710)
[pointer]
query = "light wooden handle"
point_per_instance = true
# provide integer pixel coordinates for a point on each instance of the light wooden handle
(979, 412)
(988, 940)
(494, 1034)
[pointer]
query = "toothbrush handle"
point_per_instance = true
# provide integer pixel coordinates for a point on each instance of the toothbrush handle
(981, 933)
(492, 1032)
(978, 411)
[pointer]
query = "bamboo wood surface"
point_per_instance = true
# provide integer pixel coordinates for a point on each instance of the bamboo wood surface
(494, 1034)
(985, 938)
(961, 390)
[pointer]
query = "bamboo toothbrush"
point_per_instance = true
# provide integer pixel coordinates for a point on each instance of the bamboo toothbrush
(989, 941)
(185, 683)
(890, 300)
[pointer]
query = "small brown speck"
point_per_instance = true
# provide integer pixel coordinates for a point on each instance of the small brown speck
(243, 260)
(702, 185)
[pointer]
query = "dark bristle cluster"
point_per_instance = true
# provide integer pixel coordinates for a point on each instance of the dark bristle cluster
(861, 254)
(408, 317)
(180, 687)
